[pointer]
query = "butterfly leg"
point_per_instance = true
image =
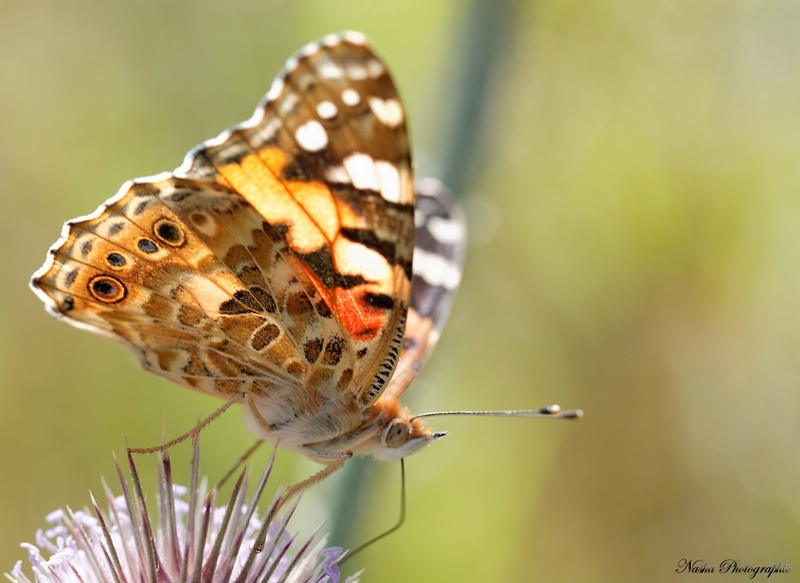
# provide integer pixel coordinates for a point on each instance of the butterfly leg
(337, 459)
(242, 458)
(193, 431)
(256, 413)
(338, 462)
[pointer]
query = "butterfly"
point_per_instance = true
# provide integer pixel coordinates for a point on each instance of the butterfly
(279, 262)
(289, 264)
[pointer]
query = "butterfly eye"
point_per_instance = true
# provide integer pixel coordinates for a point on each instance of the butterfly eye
(396, 433)
(107, 289)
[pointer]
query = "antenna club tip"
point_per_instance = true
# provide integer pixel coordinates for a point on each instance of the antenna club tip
(438, 434)
(556, 411)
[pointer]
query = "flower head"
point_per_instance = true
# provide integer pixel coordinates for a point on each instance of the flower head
(192, 539)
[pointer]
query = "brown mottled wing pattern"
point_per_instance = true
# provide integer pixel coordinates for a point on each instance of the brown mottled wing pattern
(137, 271)
(276, 259)
(441, 231)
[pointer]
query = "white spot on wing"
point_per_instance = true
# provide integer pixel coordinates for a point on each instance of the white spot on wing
(311, 136)
(374, 68)
(389, 179)
(331, 40)
(435, 269)
(330, 70)
(275, 89)
(357, 72)
(326, 109)
(388, 111)
(291, 64)
(361, 169)
(255, 119)
(337, 174)
(265, 132)
(445, 230)
(351, 97)
(357, 259)
(310, 49)
(288, 104)
(355, 37)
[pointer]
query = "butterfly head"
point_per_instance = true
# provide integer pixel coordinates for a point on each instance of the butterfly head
(400, 434)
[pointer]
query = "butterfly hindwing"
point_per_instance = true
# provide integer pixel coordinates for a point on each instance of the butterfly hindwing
(441, 230)
(137, 271)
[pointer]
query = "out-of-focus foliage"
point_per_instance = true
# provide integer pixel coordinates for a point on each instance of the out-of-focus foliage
(635, 251)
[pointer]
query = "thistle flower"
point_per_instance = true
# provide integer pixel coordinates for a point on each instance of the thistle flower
(193, 539)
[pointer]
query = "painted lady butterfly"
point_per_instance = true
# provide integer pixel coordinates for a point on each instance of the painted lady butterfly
(274, 266)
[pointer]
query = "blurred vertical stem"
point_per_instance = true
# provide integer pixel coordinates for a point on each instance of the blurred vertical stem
(482, 50)
(482, 47)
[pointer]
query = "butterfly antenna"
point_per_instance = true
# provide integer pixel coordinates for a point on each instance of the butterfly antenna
(397, 526)
(551, 412)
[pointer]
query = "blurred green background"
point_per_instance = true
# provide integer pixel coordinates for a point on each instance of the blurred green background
(634, 206)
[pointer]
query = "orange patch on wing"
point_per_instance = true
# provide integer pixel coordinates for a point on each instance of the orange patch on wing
(275, 159)
(257, 178)
(317, 201)
(309, 209)
(361, 320)
(313, 219)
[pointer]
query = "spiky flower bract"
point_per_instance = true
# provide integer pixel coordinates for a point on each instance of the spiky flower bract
(192, 538)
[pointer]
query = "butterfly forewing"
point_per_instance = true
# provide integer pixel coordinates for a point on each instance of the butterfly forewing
(276, 259)
(318, 162)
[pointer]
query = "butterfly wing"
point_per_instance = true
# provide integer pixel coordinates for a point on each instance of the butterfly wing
(277, 256)
(136, 271)
(441, 230)
(326, 159)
